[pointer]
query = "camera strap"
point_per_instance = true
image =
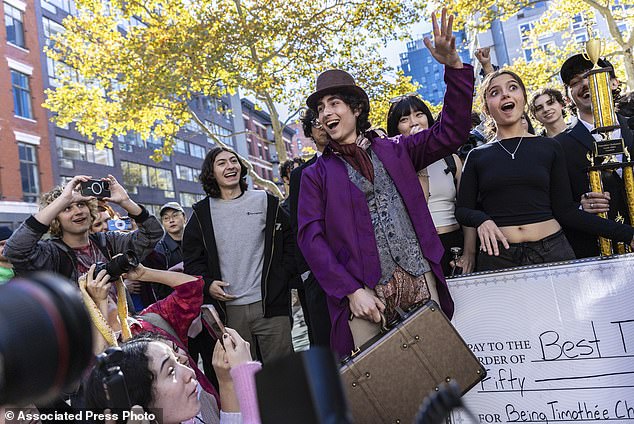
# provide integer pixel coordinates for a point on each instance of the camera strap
(97, 317)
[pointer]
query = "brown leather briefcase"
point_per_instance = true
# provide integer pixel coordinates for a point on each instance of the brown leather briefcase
(389, 377)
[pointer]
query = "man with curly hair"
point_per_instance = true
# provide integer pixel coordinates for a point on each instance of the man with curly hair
(241, 243)
(67, 216)
(363, 224)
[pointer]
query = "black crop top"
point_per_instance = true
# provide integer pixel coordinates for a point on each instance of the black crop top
(532, 188)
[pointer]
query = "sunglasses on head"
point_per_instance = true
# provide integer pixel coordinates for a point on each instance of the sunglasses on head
(403, 97)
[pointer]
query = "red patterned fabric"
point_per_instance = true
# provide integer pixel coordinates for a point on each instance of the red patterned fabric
(179, 309)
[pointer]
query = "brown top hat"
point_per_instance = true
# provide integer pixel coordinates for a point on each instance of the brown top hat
(334, 81)
(578, 64)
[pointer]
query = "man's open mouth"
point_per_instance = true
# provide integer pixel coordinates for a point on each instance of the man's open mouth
(332, 124)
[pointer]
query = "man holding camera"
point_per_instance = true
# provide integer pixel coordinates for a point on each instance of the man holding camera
(67, 215)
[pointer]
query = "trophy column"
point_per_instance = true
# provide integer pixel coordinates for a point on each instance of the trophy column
(605, 152)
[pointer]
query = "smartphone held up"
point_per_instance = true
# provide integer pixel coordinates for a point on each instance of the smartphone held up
(214, 323)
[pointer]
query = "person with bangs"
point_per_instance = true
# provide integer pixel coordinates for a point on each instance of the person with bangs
(516, 190)
(408, 115)
(549, 108)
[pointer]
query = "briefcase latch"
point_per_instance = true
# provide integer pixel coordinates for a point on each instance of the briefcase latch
(415, 340)
(366, 376)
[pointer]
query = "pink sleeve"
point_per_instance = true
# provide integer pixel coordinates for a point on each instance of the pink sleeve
(181, 307)
(244, 383)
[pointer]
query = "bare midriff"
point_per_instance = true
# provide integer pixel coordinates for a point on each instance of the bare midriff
(530, 232)
(447, 228)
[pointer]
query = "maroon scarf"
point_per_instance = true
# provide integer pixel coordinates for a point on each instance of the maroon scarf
(357, 157)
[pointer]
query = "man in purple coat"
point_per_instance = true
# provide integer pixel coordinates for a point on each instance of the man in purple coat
(364, 226)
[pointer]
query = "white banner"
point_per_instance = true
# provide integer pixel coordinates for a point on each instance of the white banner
(557, 340)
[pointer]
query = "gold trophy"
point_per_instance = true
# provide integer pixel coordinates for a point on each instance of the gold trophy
(606, 149)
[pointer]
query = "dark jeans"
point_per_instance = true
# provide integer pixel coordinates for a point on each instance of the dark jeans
(553, 248)
(318, 318)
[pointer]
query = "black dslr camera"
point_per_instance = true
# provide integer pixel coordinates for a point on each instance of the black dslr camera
(120, 264)
(475, 139)
(114, 382)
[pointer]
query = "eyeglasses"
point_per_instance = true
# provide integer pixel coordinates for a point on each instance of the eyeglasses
(403, 97)
(316, 124)
(169, 217)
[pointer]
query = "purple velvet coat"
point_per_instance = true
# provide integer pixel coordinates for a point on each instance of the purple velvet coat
(335, 230)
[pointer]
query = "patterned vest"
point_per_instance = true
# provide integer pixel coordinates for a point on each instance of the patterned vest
(395, 236)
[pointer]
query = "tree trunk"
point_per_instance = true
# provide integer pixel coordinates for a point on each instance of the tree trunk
(628, 61)
(278, 130)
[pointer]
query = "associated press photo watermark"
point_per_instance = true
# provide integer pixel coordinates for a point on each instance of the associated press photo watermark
(17, 415)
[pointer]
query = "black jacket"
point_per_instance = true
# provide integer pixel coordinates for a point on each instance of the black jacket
(165, 255)
(28, 253)
(200, 255)
(577, 142)
(293, 199)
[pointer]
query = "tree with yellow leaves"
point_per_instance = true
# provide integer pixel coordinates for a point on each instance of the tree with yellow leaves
(141, 62)
(477, 15)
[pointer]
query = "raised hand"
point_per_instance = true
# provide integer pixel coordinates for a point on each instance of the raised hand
(118, 194)
(238, 351)
(443, 48)
(72, 191)
(484, 57)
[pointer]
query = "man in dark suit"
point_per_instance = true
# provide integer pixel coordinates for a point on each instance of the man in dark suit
(577, 142)
(316, 309)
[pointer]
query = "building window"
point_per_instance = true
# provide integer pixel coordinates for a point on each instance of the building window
(180, 146)
(58, 70)
(69, 150)
(218, 130)
(29, 172)
(188, 199)
(581, 38)
(15, 25)
(136, 174)
(186, 173)
(21, 94)
(192, 126)
(51, 29)
(197, 151)
(578, 21)
(67, 6)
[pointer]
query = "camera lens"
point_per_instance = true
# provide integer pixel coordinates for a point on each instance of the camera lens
(96, 188)
(122, 264)
(45, 338)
